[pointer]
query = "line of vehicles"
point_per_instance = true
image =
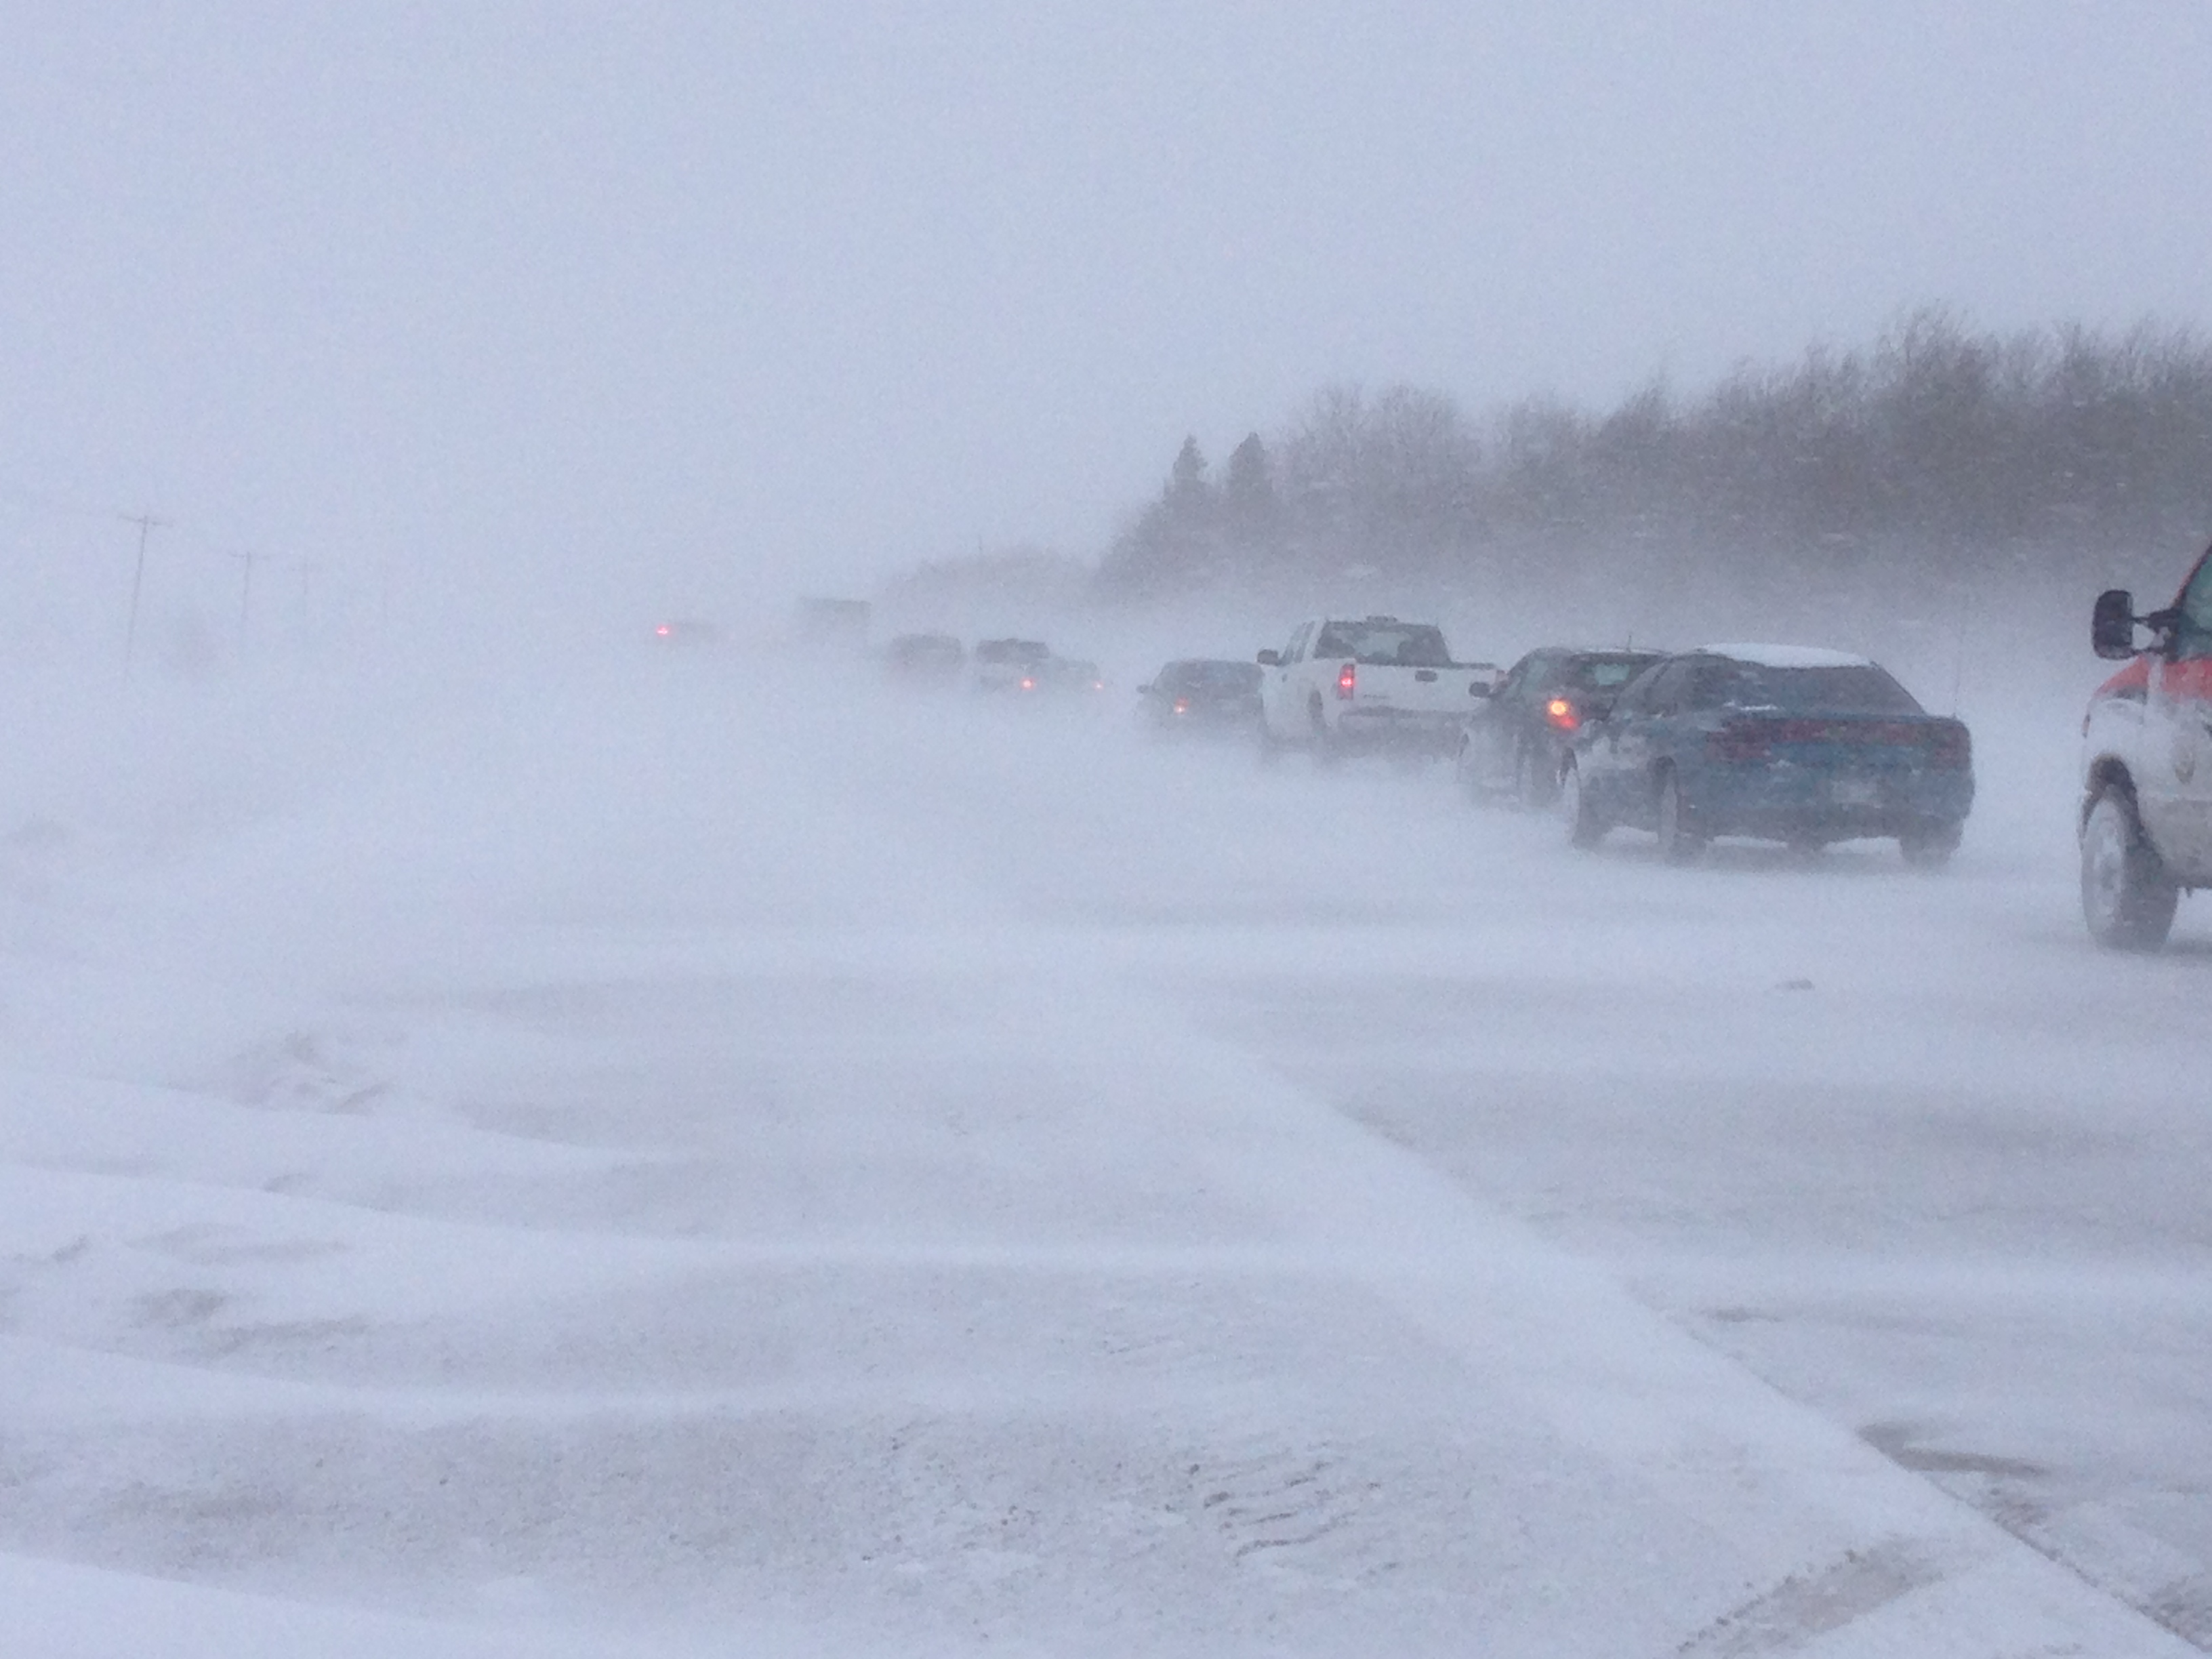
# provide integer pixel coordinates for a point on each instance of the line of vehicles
(1794, 744)
(1015, 667)
(1786, 743)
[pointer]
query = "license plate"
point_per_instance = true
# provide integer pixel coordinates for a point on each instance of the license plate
(1854, 791)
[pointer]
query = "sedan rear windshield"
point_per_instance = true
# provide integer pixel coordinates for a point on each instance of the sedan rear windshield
(1602, 673)
(1859, 690)
(1407, 645)
(1230, 676)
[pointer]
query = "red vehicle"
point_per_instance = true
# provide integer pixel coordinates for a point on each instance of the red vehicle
(2146, 811)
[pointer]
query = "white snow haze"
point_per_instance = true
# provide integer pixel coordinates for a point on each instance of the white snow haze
(524, 1136)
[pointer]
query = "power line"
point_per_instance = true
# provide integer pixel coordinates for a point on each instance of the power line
(146, 523)
(245, 594)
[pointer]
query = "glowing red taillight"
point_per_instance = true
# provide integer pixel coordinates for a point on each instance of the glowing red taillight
(1182, 705)
(1028, 685)
(1347, 681)
(1561, 714)
(662, 630)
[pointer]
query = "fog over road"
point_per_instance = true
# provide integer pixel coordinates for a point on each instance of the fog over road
(698, 1162)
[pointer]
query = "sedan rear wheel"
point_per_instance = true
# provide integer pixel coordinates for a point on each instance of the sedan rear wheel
(1535, 780)
(1463, 771)
(1679, 840)
(1325, 749)
(1584, 827)
(2127, 895)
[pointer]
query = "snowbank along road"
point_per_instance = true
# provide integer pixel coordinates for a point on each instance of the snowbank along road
(911, 1178)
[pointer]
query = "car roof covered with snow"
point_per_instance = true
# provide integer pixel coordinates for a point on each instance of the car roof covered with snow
(1787, 656)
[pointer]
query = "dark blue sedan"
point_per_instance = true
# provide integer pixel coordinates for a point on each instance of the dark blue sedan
(1784, 743)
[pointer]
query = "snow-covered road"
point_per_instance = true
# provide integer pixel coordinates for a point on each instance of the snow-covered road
(607, 1176)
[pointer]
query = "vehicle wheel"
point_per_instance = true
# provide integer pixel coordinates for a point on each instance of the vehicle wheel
(2127, 897)
(1535, 779)
(1679, 840)
(1268, 749)
(1463, 773)
(1325, 749)
(1584, 827)
(1931, 848)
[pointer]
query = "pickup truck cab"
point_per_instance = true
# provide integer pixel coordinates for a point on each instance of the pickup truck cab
(2145, 817)
(1346, 685)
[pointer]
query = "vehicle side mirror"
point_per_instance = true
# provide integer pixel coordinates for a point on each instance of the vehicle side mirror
(1477, 688)
(1145, 689)
(2112, 625)
(1270, 660)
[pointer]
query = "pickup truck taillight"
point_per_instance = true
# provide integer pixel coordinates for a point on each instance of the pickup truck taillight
(1347, 681)
(1561, 712)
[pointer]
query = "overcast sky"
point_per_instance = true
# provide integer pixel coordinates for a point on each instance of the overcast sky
(677, 308)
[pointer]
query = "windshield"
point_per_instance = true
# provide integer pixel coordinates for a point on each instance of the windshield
(1025, 652)
(1225, 676)
(1860, 690)
(1603, 673)
(1408, 644)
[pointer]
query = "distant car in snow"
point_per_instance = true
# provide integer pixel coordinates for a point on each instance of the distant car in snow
(2145, 817)
(1201, 697)
(1786, 743)
(1009, 666)
(1076, 674)
(925, 659)
(1517, 738)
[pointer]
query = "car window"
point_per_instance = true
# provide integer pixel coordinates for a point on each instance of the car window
(1296, 648)
(1672, 688)
(1637, 697)
(2192, 633)
(1405, 645)
(1856, 689)
(1231, 675)
(1535, 673)
(1603, 673)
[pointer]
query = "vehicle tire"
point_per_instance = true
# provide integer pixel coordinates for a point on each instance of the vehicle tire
(1679, 840)
(2127, 895)
(1535, 779)
(1464, 775)
(1931, 847)
(1266, 748)
(1326, 751)
(1584, 827)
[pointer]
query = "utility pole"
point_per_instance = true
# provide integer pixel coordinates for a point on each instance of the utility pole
(146, 523)
(244, 596)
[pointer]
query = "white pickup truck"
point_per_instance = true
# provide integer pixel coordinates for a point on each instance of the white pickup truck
(1355, 685)
(2146, 811)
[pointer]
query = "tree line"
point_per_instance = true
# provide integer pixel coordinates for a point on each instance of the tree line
(1921, 464)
